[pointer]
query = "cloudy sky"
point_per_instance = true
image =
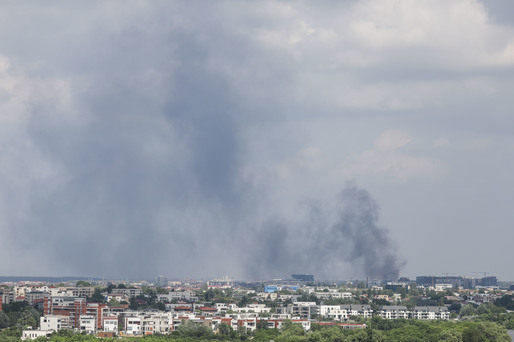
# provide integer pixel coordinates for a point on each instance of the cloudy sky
(257, 139)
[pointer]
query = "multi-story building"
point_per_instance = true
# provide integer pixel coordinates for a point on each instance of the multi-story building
(459, 281)
(360, 310)
(110, 324)
(157, 323)
(53, 322)
(429, 312)
(82, 291)
(178, 295)
(132, 325)
(334, 312)
(74, 308)
(32, 296)
(8, 296)
(88, 324)
(303, 310)
(132, 293)
(394, 312)
(224, 282)
(333, 295)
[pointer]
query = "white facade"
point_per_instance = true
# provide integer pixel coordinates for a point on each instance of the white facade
(133, 325)
(256, 308)
(394, 312)
(87, 324)
(333, 311)
(52, 322)
(430, 312)
(177, 295)
(361, 310)
(157, 323)
(33, 334)
(110, 324)
(334, 295)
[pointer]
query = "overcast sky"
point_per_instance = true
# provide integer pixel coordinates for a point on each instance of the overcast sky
(257, 138)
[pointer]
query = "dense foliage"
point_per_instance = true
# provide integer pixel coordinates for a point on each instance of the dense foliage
(378, 330)
(19, 314)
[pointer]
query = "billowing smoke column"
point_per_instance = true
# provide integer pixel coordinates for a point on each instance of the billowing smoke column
(366, 242)
(338, 241)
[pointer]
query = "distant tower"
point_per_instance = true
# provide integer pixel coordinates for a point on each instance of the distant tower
(161, 281)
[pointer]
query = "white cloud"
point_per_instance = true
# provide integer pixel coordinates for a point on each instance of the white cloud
(323, 52)
(386, 160)
(20, 94)
(392, 140)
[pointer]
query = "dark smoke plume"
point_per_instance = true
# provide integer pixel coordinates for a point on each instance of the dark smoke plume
(331, 243)
(366, 242)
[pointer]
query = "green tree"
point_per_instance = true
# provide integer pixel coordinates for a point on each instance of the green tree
(97, 296)
(4, 320)
(29, 318)
(506, 301)
(82, 283)
(467, 310)
(113, 302)
(133, 304)
(225, 329)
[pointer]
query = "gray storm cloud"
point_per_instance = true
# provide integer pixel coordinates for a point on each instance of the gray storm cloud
(145, 164)
(199, 139)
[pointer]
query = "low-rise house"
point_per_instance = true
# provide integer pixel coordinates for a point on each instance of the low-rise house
(33, 334)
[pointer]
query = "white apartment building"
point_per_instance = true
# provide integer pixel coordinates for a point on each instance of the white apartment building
(110, 324)
(54, 322)
(333, 295)
(255, 308)
(430, 312)
(133, 325)
(177, 295)
(394, 312)
(87, 323)
(361, 310)
(157, 323)
(333, 311)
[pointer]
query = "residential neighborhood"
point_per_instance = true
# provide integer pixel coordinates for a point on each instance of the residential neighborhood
(140, 308)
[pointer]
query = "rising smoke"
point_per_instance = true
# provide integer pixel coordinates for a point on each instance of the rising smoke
(131, 165)
(336, 242)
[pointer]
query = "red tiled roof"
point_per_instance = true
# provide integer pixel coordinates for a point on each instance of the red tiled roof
(183, 308)
(206, 308)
